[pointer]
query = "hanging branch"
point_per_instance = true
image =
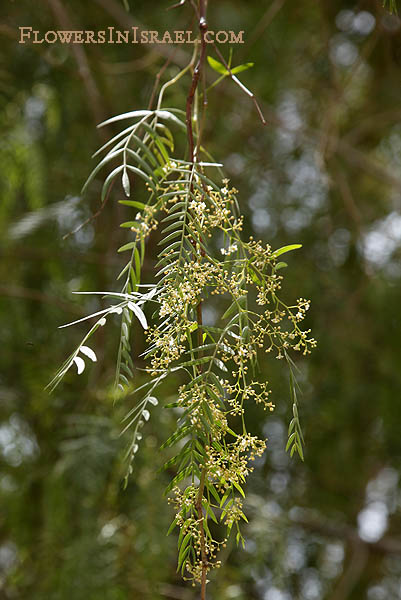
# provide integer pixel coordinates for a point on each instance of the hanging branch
(189, 107)
(191, 201)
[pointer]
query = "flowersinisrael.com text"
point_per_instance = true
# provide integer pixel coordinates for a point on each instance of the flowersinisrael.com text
(111, 35)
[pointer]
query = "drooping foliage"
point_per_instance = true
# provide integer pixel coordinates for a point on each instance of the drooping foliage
(324, 173)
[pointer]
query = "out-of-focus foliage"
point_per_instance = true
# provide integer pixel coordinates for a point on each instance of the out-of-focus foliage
(324, 172)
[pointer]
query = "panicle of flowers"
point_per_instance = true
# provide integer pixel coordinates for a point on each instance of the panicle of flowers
(215, 458)
(203, 260)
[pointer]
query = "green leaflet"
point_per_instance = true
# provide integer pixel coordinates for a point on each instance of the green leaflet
(179, 457)
(196, 361)
(128, 246)
(143, 176)
(178, 435)
(172, 526)
(133, 203)
(158, 142)
(170, 237)
(98, 167)
(232, 308)
(130, 224)
(284, 249)
(172, 227)
(220, 68)
(169, 248)
(178, 478)
(184, 550)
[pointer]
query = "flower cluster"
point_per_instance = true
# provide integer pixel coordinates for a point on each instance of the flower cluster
(145, 222)
(215, 360)
(231, 463)
(187, 519)
(203, 261)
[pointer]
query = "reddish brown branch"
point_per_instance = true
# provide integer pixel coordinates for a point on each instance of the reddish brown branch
(202, 533)
(190, 134)
(196, 76)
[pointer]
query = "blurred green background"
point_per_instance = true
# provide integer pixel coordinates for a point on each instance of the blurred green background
(325, 172)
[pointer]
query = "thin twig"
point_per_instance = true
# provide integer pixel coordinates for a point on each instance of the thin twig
(354, 156)
(352, 573)
(14, 291)
(342, 531)
(126, 20)
(122, 68)
(177, 5)
(93, 94)
(195, 78)
(265, 21)
(203, 118)
(171, 82)
(92, 217)
(157, 81)
(241, 85)
(346, 194)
